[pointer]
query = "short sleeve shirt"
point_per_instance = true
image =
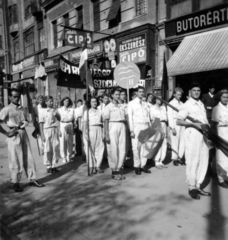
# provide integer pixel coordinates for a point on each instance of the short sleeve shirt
(66, 114)
(220, 114)
(48, 118)
(194, 109)
(114, 113)
(13, 115)
(95, 117)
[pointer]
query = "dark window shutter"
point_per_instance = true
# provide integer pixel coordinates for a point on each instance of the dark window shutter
(113, 10)
(96, 15)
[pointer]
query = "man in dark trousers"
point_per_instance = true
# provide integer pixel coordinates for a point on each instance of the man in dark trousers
(209, 101)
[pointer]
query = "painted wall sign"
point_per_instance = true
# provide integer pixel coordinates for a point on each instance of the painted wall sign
(133, 49)
(23, 64)
(77, 38)
(75, 55)
(204, 19)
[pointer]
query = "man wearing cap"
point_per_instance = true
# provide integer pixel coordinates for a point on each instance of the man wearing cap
(138, 116)
(19, 149)
(196, 148)
(209, 101)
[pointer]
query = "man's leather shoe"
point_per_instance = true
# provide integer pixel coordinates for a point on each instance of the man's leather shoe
(176, 162)
(137, 171)
(49, 170)
(223, 184)
(202, 192)
(54, 170)
(34, 183)
(17, 187)
(145, 170)
(99, 170)
(194, 194)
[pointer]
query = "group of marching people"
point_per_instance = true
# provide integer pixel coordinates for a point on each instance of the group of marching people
(112, 128)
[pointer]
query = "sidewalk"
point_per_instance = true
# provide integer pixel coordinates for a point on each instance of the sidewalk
(75, 206)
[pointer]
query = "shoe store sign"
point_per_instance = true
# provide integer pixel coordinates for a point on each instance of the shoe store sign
(133, 49)
(204, 19)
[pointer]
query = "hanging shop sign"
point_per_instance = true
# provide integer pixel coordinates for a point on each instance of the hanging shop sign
(23, 64)
(204, 19)
(78, 38)
(97, 49)
(133, 49)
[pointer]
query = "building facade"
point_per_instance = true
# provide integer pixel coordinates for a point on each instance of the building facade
(196, 34)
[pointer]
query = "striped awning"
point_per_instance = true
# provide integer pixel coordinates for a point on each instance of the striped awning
(201, 52)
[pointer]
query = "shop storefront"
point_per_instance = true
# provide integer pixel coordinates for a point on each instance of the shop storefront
(200, 48)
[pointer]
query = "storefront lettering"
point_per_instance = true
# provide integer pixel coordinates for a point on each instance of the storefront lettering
(23, 64)
(132, 43)
(136, 55)
(99, 84)
(201, 21)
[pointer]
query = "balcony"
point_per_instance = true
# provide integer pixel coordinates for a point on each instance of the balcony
(14, 28)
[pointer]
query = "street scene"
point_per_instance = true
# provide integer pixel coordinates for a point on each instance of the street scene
(114, 119)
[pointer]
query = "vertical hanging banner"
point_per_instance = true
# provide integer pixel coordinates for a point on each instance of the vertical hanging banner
(78, 38)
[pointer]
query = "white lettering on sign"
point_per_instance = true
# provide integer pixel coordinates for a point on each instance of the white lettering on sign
(206, 19)
(104, 84)
(136, 55)
(17, 67)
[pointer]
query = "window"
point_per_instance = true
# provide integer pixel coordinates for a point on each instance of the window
(96, 15)
(73, 18)
(13, 16)
(27, 7)
(195, 5)
(140, 7)
(10, 15)
(41, 35)
(29, 42)
(16, 50)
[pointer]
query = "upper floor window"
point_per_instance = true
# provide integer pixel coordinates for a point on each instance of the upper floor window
(29, 42)
(16, 50)
(41, 35)
(73, 18)
(27, 7)
(140, 7)
(114, 16)
(13, 16)
(96, 15)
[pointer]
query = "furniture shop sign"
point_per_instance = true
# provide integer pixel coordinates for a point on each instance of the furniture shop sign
(204, 19)
(133, 49)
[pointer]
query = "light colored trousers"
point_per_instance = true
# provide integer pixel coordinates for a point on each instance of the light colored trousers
(117, 146)
(20, 157)
(177, 142)
(41, 144)
(66, 140)
(221, 158)
(161, 154)
(96, 146)
(137, 147)
(197, 157)
(51, 147)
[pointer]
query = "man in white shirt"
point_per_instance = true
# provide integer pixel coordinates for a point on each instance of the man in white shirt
(196, 148)
(176, 132)
(138, 115)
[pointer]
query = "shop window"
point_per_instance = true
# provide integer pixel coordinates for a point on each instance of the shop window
(41, 35)
(58, 32)
(16, 50)
(96, 15)
(114, 16)
(141, 7)
(29, 42)
(27, 8)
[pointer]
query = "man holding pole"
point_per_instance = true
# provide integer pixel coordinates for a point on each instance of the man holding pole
(196, 149)
(138, 115)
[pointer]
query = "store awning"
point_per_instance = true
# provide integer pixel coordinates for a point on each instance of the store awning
(201, 52)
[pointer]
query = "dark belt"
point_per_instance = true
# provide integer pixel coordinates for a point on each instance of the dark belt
(16, 128)
(65, 122)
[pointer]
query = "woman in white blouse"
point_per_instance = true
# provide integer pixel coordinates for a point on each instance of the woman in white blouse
(65, 114)
(158, 110)
(220, 124)
(93, 137)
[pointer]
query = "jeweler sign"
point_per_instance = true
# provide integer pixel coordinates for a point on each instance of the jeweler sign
(78, 38)
(133, 49)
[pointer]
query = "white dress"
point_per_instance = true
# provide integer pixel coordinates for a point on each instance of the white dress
(220, 115)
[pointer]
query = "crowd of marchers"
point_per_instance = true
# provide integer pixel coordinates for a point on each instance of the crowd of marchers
(109, 128)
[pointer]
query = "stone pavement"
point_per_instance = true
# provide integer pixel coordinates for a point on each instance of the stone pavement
(74, 206)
